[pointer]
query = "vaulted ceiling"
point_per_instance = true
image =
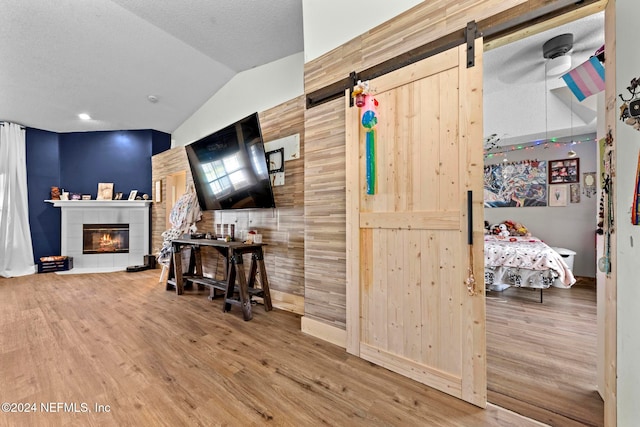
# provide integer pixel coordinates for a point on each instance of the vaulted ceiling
(106, 57)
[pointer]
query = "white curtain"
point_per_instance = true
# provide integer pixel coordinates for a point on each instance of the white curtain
(16, 250)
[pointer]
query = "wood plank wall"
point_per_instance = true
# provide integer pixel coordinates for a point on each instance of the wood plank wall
(282, 228)
(325, 247)
(426, 22)
(324, 211)
(163, 164)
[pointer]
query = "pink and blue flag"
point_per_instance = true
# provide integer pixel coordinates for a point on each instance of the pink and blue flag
(586, 79)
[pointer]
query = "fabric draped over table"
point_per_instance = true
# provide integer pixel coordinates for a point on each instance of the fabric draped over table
(185, 213)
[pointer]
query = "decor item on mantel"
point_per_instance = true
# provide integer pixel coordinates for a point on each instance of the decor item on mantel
(105, 191)
(133, 194)
(55, 193)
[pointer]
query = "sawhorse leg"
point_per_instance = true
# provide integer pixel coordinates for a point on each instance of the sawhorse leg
(257, 263)
(236, 270)
(175, 270)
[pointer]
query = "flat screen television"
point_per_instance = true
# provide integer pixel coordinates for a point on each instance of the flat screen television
(229, 168)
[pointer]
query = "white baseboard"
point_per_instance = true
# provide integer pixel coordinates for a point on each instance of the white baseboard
(324, 331)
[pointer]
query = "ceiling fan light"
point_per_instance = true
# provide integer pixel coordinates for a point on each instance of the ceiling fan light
(558, 65)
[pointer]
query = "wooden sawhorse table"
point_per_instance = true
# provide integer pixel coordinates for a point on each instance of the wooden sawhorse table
(236, 279)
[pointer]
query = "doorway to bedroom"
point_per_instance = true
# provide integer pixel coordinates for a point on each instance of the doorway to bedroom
(541, 160)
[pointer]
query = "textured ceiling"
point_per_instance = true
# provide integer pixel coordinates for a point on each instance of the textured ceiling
(521, 104)
(105, 57)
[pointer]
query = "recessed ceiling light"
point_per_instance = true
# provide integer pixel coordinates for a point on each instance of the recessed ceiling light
(84, 116)
(152, 98)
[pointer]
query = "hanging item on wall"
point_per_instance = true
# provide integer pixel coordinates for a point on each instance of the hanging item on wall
(564, 171)
(589, 187)
(558, 195)
(635, 207)
(518, 184)
(368, 117)
(574, 193)
(586, 79)
(606, 224)
(630, 108)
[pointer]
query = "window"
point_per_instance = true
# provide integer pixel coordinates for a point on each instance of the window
(226, 175)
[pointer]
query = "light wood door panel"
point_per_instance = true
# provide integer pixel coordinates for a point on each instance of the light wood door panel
(408, 306)
(176, 187)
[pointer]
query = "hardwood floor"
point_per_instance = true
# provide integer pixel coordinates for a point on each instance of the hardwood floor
(153, 358)
(542, 357)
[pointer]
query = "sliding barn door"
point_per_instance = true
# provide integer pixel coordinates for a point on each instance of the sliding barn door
(409, 308)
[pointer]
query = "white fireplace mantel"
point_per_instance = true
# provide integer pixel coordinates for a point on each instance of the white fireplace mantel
(99, 203)
(75, 213)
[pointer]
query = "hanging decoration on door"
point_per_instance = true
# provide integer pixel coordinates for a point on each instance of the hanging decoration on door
(369, 119)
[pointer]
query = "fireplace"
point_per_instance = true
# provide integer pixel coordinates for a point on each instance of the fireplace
(74, 214)
(105, 238)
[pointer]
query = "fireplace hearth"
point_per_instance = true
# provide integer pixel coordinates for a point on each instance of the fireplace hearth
(76, 213)
(105, 238)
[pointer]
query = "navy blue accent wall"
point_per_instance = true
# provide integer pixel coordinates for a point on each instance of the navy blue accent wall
(43, 172)
(120, 157)
(161, 142)
(77, 162)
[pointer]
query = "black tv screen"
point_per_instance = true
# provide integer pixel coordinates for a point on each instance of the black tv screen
(229, 168)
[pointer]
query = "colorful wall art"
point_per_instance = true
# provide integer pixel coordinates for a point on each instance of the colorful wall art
(518, 184)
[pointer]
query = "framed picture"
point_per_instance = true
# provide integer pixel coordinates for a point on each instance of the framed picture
(589, 184)
(133, 194)
(565, 171)
(558, 195)
(105, 191)
(574, 190)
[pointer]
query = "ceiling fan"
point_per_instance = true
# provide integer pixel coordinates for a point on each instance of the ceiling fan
(556, 51)
(536, 59)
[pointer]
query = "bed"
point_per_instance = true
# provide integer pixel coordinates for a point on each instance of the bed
(525, 262)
